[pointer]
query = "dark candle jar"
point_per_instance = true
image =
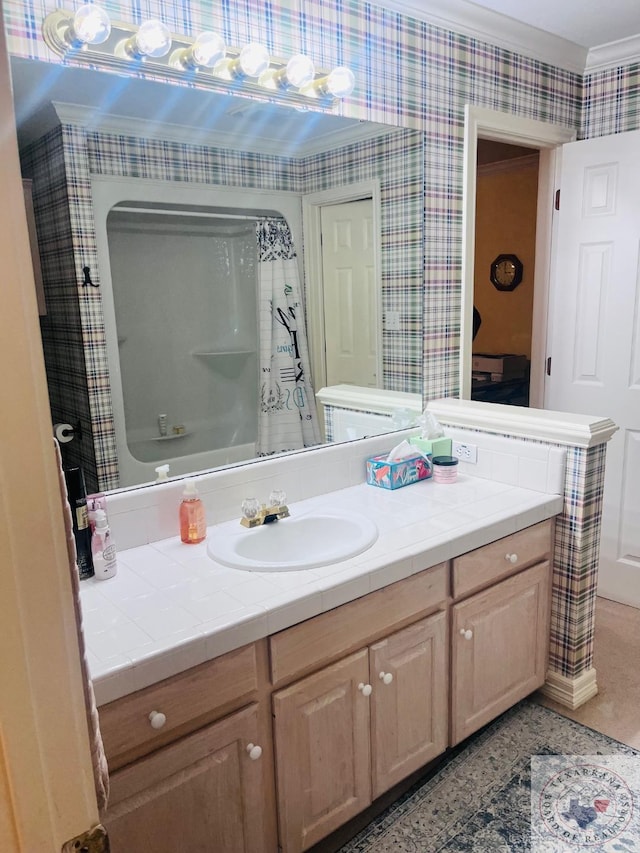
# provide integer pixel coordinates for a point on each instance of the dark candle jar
(445, 469)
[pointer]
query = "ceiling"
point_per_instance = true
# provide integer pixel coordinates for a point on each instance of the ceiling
(588, 23)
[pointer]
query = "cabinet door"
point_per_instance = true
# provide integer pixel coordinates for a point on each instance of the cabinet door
(202, 794)
(409, 703)
(499, 641)
(321, 730)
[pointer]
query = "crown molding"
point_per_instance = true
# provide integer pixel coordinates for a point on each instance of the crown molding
(491, 27)
(614, 54)
(92, 119)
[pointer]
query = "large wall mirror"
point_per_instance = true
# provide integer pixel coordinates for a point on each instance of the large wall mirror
(146, 198)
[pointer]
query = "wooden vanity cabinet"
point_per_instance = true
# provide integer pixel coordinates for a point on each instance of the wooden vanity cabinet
(202, 793)
(500, 635)
(353, 729)
(199, 777)
(343, 707)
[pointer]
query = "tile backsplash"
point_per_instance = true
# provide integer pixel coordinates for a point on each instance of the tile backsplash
(148, 514)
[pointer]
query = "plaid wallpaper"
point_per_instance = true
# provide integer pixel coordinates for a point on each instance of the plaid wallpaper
(62, 327)
(418, 76)
(611, 101)
(396, 160)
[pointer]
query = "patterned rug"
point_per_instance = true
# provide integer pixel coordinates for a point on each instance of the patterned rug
(480, 800)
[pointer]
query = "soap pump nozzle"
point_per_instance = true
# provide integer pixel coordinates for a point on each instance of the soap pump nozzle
(162, 472)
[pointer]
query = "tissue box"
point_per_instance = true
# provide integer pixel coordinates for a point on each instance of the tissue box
(394, 475)
(433, 446)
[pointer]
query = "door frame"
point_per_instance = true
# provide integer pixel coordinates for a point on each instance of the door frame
(312, 205)
(47, 792)
(484, 123)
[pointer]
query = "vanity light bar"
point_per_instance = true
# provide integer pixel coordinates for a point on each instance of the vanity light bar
(90, 38)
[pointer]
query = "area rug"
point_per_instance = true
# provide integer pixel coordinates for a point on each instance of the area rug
(479, 800)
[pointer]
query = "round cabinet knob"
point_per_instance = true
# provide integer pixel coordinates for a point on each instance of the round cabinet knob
(254, 752)
(365, 689)
(511, 558)
(386, 677)
(466, 633)
(157, 719)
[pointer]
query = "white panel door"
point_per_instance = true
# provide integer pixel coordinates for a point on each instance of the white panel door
(350, 293)
(596, 332)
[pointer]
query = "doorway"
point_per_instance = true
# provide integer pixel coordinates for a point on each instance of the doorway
(504, 264)
(536, 137)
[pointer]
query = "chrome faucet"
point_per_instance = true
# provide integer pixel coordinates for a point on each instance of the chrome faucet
(255, 514)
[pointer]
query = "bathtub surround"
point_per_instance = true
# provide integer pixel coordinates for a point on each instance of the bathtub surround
(200, 274)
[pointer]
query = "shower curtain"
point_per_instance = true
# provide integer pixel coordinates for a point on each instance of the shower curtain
(287, 418)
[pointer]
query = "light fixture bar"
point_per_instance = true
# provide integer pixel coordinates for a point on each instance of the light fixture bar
(113, 54)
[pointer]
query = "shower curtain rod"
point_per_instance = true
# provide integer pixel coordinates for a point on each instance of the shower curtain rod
(245, 217)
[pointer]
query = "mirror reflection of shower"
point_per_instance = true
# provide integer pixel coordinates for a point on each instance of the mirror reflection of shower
(188, 391)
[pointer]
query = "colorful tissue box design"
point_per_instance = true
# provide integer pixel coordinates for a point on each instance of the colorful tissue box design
(433, 446)
(394, 475)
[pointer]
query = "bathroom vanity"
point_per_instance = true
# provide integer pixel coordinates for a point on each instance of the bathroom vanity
(276, 743)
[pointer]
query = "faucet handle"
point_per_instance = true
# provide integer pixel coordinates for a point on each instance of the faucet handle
(250, 508)
(277, 498)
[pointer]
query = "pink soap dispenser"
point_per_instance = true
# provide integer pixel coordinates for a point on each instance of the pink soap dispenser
(193, 522)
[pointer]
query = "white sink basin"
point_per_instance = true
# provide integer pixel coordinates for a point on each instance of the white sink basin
(294, 543)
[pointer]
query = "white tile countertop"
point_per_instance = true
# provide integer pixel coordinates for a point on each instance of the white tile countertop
(171, 607)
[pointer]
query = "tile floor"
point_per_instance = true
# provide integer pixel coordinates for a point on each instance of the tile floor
(615, 711)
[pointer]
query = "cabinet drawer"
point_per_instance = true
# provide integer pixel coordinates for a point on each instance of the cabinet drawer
(304, 647)
(187, 700)
(500, 559)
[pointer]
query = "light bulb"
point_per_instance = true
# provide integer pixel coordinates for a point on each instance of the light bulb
(152, 39)
(300, 71)
(340, 82)
(253, 60)
(208, 49)
(91, 25)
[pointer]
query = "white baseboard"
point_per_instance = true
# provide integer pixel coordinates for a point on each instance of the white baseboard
(570, 692)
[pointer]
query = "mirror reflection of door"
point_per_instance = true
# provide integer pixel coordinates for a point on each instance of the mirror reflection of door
(350, 294)
(506, 210)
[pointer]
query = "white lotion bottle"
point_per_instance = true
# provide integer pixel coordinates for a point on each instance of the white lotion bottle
(103, 549)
